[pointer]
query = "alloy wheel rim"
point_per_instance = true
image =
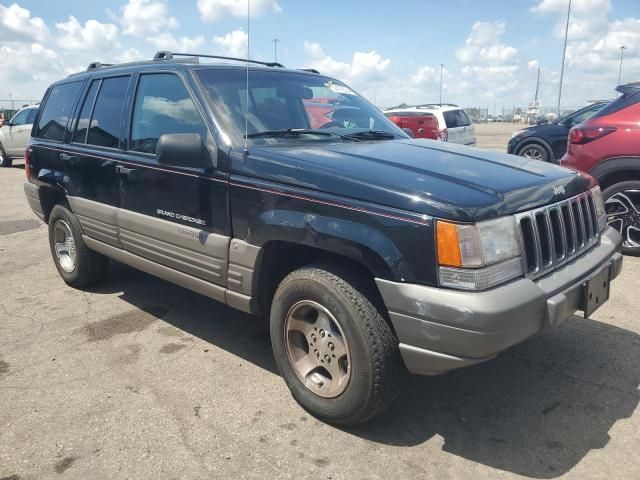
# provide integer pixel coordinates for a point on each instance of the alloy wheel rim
(64, 246)
(532, 153)
(317, 349)
(623, 214)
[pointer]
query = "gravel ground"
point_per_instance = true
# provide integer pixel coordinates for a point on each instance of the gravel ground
(143, 379)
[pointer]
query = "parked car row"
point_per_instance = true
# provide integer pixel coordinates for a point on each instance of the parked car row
(446, 122)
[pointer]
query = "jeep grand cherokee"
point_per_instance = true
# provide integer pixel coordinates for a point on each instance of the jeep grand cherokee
(372, 253)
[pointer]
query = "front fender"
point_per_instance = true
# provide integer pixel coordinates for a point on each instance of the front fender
(360, 242)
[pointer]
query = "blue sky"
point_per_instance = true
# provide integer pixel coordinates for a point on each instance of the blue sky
(389, 51)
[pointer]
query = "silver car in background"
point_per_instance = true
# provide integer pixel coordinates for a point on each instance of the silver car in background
(14, 135)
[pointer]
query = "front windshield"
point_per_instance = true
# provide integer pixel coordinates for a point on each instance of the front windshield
(287, 100)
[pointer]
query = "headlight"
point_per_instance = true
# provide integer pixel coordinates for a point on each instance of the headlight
(516, 133)
(478, 256)
(601, 213)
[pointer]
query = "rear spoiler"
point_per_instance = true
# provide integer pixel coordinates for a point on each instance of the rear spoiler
(629, 88)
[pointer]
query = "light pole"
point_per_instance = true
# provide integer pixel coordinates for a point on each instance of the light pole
(441, 67)
(621, 56)
(564, 53)
(275, 49)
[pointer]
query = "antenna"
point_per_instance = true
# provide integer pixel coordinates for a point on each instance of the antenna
(246, 108)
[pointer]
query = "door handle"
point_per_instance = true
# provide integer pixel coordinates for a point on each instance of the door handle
(65, 158)
(129, 172)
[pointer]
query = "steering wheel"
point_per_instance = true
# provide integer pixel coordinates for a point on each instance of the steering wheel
(333, 123)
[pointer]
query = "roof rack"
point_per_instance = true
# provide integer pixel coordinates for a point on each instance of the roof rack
(165, 55)
(432, 105)
(310, 70)
(629, 88)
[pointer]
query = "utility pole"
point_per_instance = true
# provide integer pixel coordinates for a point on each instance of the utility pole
(564, 54)
(275, 49)
(622, 48)
(441, 67)
(537, 86)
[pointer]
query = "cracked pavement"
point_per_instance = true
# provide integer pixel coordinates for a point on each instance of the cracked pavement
(139, 378)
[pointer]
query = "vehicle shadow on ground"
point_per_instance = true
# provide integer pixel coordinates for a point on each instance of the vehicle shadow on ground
(536, 410)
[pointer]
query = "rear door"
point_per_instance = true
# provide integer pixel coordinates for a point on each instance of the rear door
(91, 157)
(459, 127)
(173, 215)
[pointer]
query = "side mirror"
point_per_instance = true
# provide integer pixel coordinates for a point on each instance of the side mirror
(7, 123)
(409, 132)
(182, 150)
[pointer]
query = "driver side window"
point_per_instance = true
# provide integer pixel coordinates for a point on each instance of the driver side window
(20, 118)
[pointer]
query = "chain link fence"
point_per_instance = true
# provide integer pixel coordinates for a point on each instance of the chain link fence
(9, 106)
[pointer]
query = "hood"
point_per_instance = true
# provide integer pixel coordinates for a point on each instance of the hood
(422, 176)
(543, 130)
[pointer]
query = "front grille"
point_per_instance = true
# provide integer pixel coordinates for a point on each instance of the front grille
(555, 234)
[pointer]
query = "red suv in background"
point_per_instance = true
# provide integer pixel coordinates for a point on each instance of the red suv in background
(607, 146)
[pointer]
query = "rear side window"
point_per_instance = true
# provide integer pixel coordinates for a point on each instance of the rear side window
(456, 118)
(56, 111)
(32, 115)
(624, 101)
(104, 127)
(82, 125)
(162, 105)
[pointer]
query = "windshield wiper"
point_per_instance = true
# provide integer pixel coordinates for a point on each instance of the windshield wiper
(370, 135)
(291, 132)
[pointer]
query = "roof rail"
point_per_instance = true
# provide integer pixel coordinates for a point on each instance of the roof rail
(165, 55)
(310, 70)
(95, 65)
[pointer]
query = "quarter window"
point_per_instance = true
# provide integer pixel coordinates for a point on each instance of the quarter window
(104, 127)
(56, 111)
(162, 106)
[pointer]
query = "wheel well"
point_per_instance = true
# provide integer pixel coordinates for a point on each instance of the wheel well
(618, 176)
(49, 198)
(279, 258)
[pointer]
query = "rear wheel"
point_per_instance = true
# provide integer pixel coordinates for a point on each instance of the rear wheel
(622, 203)
(5, 161)
(334, 349)
(534, 151)
(77, 265)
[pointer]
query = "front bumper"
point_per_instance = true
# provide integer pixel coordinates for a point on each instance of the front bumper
(441, 329)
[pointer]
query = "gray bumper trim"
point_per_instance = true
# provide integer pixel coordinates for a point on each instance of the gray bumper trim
(32, 193)
(461, 328)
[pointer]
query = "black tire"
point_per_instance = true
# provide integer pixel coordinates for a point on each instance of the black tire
(535, 151)
(377, 371)
(5, 161)
(89, 267)
(617, 198)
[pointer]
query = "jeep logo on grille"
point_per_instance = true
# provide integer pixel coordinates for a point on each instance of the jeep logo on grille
(559, 190)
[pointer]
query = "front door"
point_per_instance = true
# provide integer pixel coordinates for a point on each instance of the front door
(18, 133)
(173, 215)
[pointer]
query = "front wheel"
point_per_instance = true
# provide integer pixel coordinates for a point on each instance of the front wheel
(333, 346)
(622, 203)
(534, 152)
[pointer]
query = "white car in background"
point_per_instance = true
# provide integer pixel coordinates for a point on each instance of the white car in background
(14, 135)
(454, 125)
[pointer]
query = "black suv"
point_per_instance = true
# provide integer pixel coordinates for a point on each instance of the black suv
(548, 142)
(283, 192)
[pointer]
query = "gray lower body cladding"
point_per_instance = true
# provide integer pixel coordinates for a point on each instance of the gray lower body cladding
(441, 329)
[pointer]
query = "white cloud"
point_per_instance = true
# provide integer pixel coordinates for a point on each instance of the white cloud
(142, 18)
(364, 66)
(18, 74)
(233, 44)
(212, 10)
(92, 36)
(167, 41)
(483, 45)
(17, 25)
(577, 6)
